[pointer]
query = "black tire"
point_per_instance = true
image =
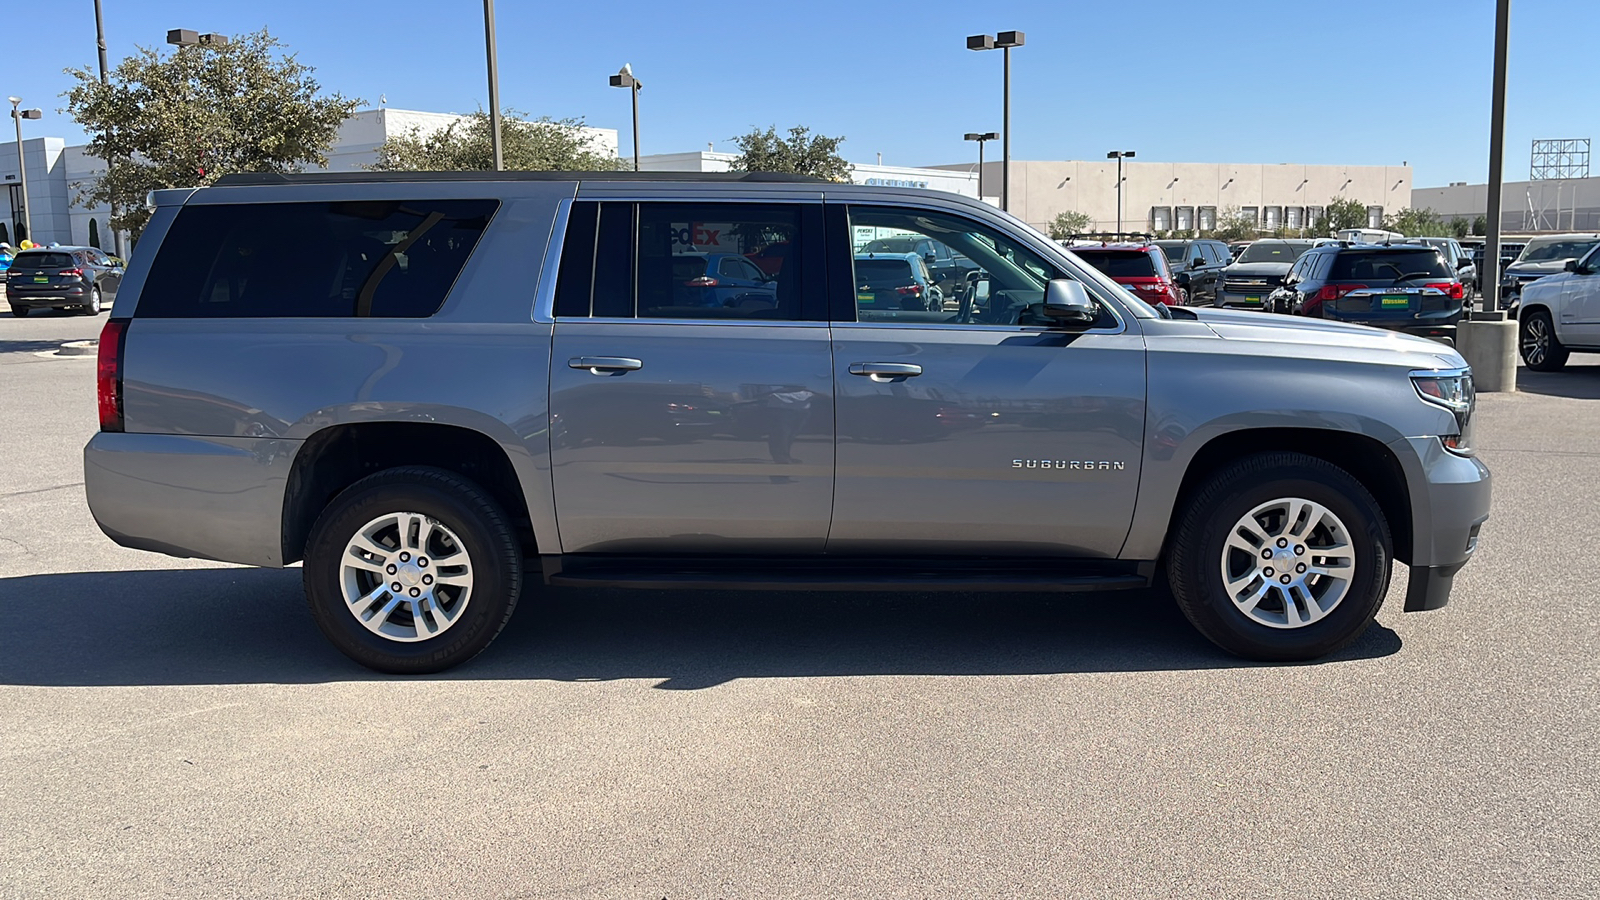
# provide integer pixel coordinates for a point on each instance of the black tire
(20, 312)
(1541, 350)
(461, 506)
(1195, 554)
(92, 308)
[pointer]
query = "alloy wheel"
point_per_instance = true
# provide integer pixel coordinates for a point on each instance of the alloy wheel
(1535, 341)
(1288, 563)
(406, 577)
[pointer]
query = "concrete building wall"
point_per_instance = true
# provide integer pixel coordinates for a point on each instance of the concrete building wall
(1040, 190)
(47, 190)
(1525, 206)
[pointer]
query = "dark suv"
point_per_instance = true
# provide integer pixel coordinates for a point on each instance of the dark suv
(80, 278)
(1401, 287)
(948, 267)
(1252, 278)
(1198, 266)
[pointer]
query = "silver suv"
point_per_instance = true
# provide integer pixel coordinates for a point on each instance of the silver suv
(461, 382)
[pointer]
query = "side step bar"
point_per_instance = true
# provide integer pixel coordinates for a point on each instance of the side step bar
(845, 575)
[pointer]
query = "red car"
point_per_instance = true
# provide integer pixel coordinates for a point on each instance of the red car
(1139, 267)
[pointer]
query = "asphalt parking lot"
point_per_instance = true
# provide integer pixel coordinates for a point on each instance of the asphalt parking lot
(179, 727)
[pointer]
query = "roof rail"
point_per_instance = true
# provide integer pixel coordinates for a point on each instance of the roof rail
(264, 178)
(1108, 236)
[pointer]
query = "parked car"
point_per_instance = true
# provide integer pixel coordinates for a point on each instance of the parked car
(1140, 267)
(1561, 314)
(1458, 259)
(1401, 287)
(1541, 256)
(1235, 248)
(1509, 251)
(721, 280)
(896, 281)
(78, 278)
(6, 255)
(436, 437)
(947, 267)
(1252, 277)
(1197, 266)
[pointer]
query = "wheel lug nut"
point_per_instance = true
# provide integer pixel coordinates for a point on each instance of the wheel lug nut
(415, 592)
(405, 557)
(1300, 568)
(1282, 542)
(1266, 554)
(427, 579)
(422, 560)
(391, 570)
(1285, 579)
(396, 585)
(1267, 571)
(1299, 549)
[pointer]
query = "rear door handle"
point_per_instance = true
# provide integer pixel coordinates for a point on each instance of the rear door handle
(885, 371)
(602, 365)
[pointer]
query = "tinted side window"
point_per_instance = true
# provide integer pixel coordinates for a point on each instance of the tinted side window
(680, 253)
(384, 258)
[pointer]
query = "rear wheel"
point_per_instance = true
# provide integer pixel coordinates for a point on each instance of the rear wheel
(93, 306)
(20, 311)
(1541, 349)
(412, 570)
(1280, 557)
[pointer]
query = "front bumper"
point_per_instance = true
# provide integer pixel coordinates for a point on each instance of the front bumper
(1449, 503)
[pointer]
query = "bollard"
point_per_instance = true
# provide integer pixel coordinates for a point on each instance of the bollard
(1489, 345)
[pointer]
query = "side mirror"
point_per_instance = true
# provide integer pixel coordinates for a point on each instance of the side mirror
(930, 259)
(1197, 262)
(1571, 266)
(1463, 262)
(1067, 303)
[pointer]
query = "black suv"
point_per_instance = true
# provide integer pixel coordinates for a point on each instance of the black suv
(1197, 267)
(1401, 287)
(949, 268)
(81, 278)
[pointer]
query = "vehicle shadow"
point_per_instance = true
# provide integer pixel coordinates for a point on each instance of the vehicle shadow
(242, 626)
(30, 346)
(1575, 382)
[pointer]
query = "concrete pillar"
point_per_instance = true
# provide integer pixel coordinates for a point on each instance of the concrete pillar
(1488, 342)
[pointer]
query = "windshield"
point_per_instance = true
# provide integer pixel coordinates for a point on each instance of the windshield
(1556, 248)
(1388, 265)
(1265, 251)
(1120, 263)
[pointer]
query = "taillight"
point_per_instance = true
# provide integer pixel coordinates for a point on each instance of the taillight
(702, 281)
(1332, 292)
(1453, 289)
(108, 374)
(78, 272)
(914, 290)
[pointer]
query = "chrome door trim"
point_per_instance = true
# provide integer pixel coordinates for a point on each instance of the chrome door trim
(544, 298)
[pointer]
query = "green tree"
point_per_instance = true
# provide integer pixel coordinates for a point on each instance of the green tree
(188, 117)
(526, 145)
(1417, 223)
(1341, 214)
(1459, 227)
(1480, 224)
(801, 153)
(1068, 223)
(1233, 225)
(94, 234)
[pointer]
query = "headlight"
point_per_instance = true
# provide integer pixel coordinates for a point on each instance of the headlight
(1451, 389)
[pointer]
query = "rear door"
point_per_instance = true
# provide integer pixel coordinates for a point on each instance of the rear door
(690, 428)
(1579, 320)
(966, 432)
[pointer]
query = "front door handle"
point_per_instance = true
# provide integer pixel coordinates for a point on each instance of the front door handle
(884, 371)
(604, 365)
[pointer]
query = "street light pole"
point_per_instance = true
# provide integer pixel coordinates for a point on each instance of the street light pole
(22, 165)
(1497, 147)
(980, 138)
(494, 86)
(100, 45)
(1005, 40)
(1119, 156)
(624, 79)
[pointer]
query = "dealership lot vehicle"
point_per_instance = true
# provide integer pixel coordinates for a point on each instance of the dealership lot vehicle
(895, 281)
(1561, 314)
(318, 400)
(1252, 277)
(1197, 266)
(80, 278)
(1140, 267)
(1401, 287)
(1458, 259)
(947, 267)
(1541, 256)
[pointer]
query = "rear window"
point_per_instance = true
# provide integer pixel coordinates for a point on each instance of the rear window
(380, 258)
(28, 260)
(879, 272)
(891, 245)
(1279, 253)
(1175, 253)
(1387, 265)
(1120, 263)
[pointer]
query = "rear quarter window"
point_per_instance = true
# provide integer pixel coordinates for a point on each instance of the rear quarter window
(382, 258)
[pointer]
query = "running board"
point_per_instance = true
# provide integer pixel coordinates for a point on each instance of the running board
(845, 575)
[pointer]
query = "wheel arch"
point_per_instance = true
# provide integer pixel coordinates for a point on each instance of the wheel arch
(333, 458)
(1366, 458)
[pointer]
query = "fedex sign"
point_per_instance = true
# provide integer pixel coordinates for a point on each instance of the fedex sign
(704, 236)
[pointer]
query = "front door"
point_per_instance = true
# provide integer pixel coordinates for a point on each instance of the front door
(967, 432)
(685, 419)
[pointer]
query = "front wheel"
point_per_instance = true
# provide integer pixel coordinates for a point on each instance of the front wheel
(1536, 338)
(20, 312)
(1280, 557)
(412, 570)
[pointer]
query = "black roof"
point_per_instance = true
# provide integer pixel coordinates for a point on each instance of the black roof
(259, 178)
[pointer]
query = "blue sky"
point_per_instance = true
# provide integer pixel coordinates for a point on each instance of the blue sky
(1175, 80)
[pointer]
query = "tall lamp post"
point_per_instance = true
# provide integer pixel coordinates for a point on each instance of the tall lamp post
(22, 165)
(980, 138)
(1005, 40)
(1119, 156)
(494, 86)
(625, 79)
(100, 46)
